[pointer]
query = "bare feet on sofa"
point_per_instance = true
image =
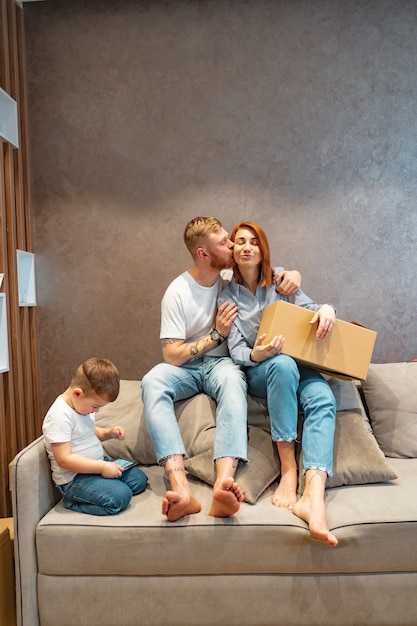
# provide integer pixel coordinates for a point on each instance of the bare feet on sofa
(179, 501)
(311, 508)
(285, 495)
(227, 494)
(176, 505)
(227, 497)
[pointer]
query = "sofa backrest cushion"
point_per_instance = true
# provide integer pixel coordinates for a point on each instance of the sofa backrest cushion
(195, 418)
(357, 457)
(390, 392)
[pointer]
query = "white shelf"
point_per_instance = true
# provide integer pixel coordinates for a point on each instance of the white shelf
(4, 341)
(8, 119)
(26, 278)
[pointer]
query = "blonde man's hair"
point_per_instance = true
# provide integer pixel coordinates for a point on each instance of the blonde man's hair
(197, 231)
(98, 375)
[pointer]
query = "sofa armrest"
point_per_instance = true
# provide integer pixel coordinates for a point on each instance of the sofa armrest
(33, 495)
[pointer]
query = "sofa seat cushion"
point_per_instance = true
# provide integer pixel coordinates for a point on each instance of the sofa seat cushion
(376, 526)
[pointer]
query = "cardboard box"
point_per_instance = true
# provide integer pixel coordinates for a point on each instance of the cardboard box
(345, 352)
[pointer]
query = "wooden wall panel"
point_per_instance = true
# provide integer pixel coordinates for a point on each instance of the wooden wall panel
(20, 419)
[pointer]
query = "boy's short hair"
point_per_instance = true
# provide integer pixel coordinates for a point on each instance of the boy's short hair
(98, 375)
(197, 230)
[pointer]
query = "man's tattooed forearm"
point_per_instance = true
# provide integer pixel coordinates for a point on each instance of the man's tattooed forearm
(198, 348)
(166, 342)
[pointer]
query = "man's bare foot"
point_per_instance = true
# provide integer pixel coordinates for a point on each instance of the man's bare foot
(227, 497)
(313, 511)
(285, 495)
(177, 504)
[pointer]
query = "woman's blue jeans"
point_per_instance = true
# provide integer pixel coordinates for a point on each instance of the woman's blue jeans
(218, 377)
(286, 387)
(96, 495)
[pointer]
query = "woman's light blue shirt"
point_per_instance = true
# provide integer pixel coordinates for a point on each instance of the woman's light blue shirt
(242, 335)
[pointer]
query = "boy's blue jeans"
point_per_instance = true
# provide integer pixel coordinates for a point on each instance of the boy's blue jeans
(93, 494)
(287, 386)
(218, 377)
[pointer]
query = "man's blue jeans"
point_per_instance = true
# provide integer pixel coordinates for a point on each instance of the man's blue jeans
(285, 386)
(96, 495)
(218, 377)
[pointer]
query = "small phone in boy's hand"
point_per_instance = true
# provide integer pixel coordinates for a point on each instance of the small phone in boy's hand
(125, 463)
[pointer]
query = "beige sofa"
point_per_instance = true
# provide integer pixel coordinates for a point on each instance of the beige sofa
(260, 567)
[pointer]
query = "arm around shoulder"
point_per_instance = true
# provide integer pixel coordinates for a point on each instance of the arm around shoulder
(289, 282)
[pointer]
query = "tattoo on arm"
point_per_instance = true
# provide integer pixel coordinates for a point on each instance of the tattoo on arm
(197, 349)
(166, 342)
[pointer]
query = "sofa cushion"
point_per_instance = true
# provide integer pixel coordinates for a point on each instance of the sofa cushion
(390, 392)
(357, 459)
(375, 524)
(127, 411)
(346, 394)
(198, 434)
(253, 477)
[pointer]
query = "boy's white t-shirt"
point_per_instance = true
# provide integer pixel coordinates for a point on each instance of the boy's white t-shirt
(62, 424)
(188, 311)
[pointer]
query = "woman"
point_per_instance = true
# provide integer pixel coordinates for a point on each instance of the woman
(277, 378)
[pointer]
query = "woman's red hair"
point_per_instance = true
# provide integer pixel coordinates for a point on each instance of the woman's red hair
(266, 273)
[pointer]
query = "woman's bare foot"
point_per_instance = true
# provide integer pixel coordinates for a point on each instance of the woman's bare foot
(316, 519)
(227, 497)
(311, 508)
(176, 505)
(285, 495)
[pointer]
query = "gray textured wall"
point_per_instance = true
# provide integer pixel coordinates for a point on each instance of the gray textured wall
(300, 115)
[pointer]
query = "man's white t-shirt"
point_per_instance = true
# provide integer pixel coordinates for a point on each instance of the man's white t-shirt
(188, 310)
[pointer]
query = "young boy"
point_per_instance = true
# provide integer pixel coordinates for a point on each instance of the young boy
(89, 482)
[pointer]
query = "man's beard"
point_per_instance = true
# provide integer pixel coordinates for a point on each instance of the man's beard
(220, 263)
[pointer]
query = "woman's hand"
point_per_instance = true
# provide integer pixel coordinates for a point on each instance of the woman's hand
(262, 352)
(226, 314)
(326, 318)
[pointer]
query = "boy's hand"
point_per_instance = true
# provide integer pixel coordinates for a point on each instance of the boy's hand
(117, 432)
(111, 470)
